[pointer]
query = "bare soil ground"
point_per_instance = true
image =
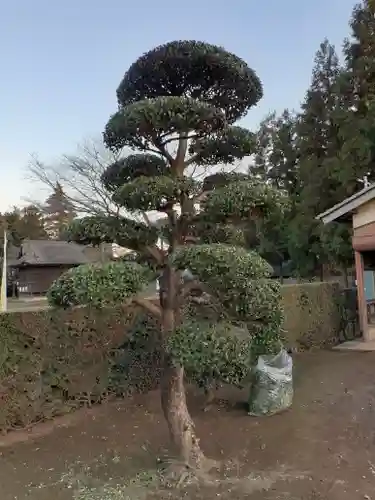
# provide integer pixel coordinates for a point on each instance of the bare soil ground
(25, 304)
(323, 448)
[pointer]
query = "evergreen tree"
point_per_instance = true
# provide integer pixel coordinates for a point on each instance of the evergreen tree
(11, 221)
(276, 153)
(318, 135)
(357, 155)
(178, 105)
(31, 224)
(21, 224)
(275, 163)
(58, 213)
(320, 184)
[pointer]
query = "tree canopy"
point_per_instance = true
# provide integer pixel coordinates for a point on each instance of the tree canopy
(305, 154)
(58, 212)
(178, 105)
(319, 154)
(23, 223)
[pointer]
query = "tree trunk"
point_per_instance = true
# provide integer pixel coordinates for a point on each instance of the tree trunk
(180, 424)
(209, 393)
(321, 272)
(173, 397)
(346, 277)
(281, 270)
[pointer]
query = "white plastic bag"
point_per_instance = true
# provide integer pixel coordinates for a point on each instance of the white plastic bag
(272, 387)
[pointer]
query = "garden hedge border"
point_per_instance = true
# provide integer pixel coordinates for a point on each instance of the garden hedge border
(54, 361)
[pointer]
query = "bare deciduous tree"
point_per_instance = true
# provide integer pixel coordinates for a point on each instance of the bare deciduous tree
(79, 174)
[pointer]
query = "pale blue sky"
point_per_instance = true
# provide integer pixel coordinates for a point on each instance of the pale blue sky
(61, 62)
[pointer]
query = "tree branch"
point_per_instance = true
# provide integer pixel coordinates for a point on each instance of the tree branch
(191, 160)
(173, 139)
(200, 197)
(179, 161)
(80, 176)
(162, 149)
(149, 306)
(146, 219)
(185, 289)
(156, 253)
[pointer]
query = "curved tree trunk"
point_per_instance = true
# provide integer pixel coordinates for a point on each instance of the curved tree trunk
(180, 424)
(173, 397)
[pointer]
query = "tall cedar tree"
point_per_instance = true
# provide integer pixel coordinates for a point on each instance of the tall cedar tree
(275, 163)
(276, 153)
(317, 133)
(178, 105)
(58, 213)
(32, 224)
(357, 155)
(319, 185)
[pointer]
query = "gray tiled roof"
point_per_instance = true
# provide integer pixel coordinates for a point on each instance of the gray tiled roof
(52, 252)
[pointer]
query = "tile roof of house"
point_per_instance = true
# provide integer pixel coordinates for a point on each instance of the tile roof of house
(53, 252)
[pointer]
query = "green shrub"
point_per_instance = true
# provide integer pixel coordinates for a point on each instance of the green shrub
(54, 361)
(314, 314)
(212, 352)
(136, 363)
(98, 284)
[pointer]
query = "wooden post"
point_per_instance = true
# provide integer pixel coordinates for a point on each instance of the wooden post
(102, 252)
(362, 308)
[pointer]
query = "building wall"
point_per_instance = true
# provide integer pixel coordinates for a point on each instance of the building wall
(364, 227)
(37, 280)
(364, 215)
(365, 231)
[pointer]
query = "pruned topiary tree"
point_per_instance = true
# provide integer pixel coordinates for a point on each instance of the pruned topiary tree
(177, 107)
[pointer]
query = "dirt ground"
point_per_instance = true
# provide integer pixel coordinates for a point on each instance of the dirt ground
(323, 448)
(24, 304)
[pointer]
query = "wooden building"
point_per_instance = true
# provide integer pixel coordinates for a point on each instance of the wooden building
(359, 211)
(40, 262)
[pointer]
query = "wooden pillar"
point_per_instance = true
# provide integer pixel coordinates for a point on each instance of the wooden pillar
(362, 307)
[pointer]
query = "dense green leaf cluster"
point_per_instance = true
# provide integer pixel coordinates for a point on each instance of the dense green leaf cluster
(188, 68)
(131, 167)
(98, 284)
(222, 179)
(212, 351)
(243, 200)
(154, 193)
(212, 263)
(138, 124)
(228, 146)
(125, 232)
(237, 277)
(209, 232)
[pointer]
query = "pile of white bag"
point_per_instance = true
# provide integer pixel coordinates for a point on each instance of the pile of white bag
(272, 385)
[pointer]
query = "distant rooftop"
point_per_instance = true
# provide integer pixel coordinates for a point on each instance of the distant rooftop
(51, 253)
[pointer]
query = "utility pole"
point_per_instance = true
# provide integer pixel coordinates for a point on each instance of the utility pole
(3, 295)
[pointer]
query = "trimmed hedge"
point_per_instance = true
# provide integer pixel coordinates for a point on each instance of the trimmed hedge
(54, 361)
(317, 315)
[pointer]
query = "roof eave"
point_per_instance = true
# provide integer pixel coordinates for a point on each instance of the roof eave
(335, 217)
(346, 208)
